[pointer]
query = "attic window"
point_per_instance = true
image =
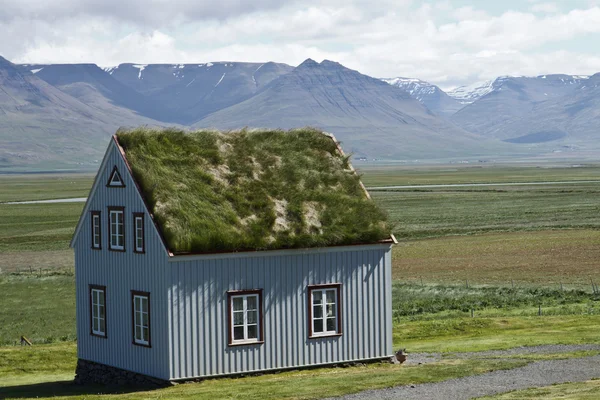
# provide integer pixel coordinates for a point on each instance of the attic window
(116, 230)
(115, 179)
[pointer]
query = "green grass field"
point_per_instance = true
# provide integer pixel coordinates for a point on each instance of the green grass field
(46, 371)
(44, 186)
(502, 252)
(42, 308)
(428, 213)
(373, 175)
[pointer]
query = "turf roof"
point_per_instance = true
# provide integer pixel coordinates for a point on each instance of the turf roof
(211, 191)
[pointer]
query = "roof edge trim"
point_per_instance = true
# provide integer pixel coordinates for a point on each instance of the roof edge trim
(279, 252)
(141, 194)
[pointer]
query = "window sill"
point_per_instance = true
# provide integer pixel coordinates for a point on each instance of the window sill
(141, 344)
(247, 343)
(325, 335)
(116, 250)
(98, 335)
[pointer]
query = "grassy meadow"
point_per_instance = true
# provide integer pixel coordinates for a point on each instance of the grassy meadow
(501, 253)
(21, 187)
(391, 175)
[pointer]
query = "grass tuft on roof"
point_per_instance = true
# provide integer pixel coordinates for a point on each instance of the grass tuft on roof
(213, 191)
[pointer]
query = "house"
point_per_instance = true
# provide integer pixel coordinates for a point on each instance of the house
(204, 254)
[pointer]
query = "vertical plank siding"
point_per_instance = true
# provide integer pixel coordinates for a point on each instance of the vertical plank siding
(122, 272)
(198, 303)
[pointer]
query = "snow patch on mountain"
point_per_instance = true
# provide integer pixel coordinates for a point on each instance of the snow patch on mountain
(35, 71)
(141, 67)
(220, 79)
(417, 88)
(470, 93)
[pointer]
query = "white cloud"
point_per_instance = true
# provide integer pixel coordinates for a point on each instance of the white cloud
(545, 8)
(438, 42)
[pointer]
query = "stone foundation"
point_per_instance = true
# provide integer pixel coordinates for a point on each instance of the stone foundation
(89, 372)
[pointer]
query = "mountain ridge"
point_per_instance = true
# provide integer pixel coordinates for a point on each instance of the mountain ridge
(62, 114)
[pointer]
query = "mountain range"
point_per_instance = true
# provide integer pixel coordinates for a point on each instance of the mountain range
(61, 115)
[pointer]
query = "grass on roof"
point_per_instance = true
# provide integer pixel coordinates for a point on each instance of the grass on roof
(251, 190)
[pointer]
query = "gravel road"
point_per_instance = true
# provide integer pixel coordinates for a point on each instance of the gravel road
(536, 374)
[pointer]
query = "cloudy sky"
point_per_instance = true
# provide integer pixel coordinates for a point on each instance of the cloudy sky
(447, 42)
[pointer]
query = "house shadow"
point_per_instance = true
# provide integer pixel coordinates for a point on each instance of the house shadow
(66, 389)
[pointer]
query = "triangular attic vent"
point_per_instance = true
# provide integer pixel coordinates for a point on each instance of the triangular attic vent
(115, 179)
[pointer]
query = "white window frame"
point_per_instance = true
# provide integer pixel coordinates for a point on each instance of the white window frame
(320, 292)
(116, 230)
(96, 230)
(138, 298)
(96, 306)
(138, 233)
(244, 296)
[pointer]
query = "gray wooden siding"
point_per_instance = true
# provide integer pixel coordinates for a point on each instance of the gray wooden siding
(198, 312)
(121, 273)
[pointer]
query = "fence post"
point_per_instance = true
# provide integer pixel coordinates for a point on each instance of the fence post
(540, 310)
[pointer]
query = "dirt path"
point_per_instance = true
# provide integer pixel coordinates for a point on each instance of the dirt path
(536, 374)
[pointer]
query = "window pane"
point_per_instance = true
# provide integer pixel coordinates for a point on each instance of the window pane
(101, 297)
(102, 326)
(252, 317)
(145, 304)
(144, 319)
(238, 333)
(317, 295)
(146, 334)
(251, 302)
(101, 309)
(331, 296)
(331, 325)
(252, 332)
(94, 324)
(138, 318)
(138, 332)
(238, 303)
(318, 326)
(318, 311)
(238, 318)
(330, 310)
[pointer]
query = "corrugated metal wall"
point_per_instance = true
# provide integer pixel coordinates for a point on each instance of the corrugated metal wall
(121, 273)
(198, 305)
